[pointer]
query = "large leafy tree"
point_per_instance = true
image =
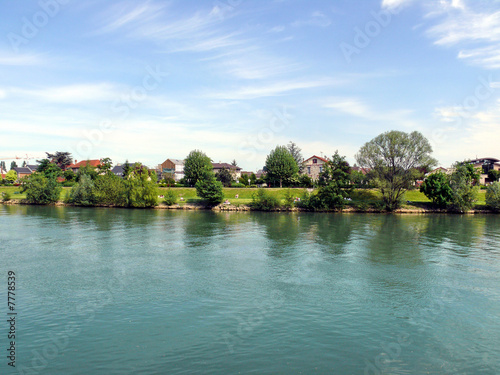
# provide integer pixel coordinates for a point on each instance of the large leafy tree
(197, 166)
(61, 159)
(280, 165)
(437, 188)
(297, 155)
(49, 169)
(395, 158)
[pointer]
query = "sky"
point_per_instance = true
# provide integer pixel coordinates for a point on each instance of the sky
(151, 80)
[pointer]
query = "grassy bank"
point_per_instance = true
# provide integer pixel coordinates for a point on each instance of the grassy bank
(360, 197)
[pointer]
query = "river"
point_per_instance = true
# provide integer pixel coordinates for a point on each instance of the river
(121, 291)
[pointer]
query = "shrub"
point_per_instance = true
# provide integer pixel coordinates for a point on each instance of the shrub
(110, 190)
(262, 200)
(237, 185)
(170, 197)
(437, 188)
(83, 192)
(211, 190)
(288, 198)
(493, 196)
(464, 193)
(40, 189)
(6, 196)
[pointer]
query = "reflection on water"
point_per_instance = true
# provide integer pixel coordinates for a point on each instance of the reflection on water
(160, 291)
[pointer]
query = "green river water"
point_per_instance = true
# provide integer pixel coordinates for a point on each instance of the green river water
(119, 291)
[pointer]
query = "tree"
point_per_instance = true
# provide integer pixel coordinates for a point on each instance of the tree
(11, 176)
(197, 166)
(41, 189)
(141, 187)
(49, 169)
(464, 193)
(297, 155)
(280, 165)
(13, 165)
(69, 175)
(126, 169)
(88, 170)
(394, 158)
(234, 163)
(437, 188)
(105, 166)
(334, 183)
(2, 166)
(110, 189)
(210, 189)
(24, 163)
(83, 192)
(493, 196)
(61, 159)
(225, 177)
(494, 175)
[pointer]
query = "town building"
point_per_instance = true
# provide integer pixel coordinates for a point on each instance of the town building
(234, 170)
(173, 167)
(314, 166)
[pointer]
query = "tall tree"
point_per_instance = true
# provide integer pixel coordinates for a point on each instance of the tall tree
(61, 159)
(224, 176)
(48, 169)
(105, 165)
(2, 166)
(297, 155)
(234, 163)
(197, 166)
(462, 181)
(280, 165)
(13, 165)
(394, 158)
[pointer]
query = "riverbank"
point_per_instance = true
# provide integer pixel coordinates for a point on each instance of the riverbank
(240, 207)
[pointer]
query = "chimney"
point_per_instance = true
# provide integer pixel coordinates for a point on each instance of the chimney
(76, 161)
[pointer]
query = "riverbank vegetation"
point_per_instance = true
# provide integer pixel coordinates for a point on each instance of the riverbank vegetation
(391, 165)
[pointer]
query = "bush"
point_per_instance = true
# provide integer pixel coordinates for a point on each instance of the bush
(437, 188)
(83, 192)
(264, 201)
(170, 197)
(464, 193)
(40, 189)
(288, 198)
(237, 185)
(493, 196)
(110, 190)
(211, 190)
(6, 196)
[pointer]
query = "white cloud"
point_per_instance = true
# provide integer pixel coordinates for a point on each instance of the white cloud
(317, 18)
(3, 94)
(392, 4)
(276, 89)
(461, 25)
(74, 93)
(11, 59)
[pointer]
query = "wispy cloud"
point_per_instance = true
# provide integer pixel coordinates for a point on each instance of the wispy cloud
(275, 89)
(77, 93)
(476, 32)
(392, 4)
(318, 19)
(10, 59)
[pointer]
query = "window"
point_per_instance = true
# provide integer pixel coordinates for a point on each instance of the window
(320, 169)
(308, 170)
(315, 161)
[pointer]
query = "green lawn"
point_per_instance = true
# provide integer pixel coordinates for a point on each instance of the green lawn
(360, 196)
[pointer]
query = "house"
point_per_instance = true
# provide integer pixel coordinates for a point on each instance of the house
(365, 171)
(22, 172)
(174, 167)
(33, 167)
(486, 165)
(118, 170)
(234, 170)
(314, 166)
(439, 169)
(76, 165)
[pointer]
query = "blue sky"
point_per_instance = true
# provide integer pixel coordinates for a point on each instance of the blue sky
(151, 80)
